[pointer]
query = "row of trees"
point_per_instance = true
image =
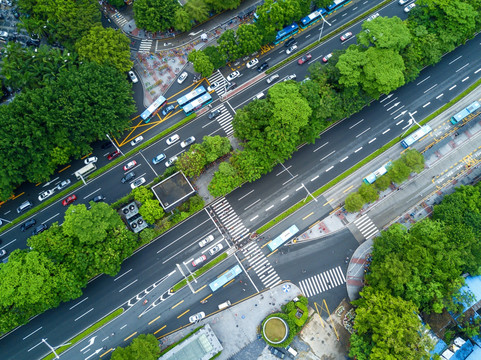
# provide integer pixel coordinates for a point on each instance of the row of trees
(389, 53)
(399, 171)
(415, 271)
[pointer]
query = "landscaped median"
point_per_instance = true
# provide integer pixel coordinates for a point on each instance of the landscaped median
(363, 162)
(199, 272)
(85, 333)
(95, 174)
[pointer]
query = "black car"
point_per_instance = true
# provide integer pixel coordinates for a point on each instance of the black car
(98, 198)
(39, 229)
(276, 352)
(28, 224)
(214, 114)
(167, 109)
(230, 86)
(262, 67)
(289, 42)
(106, 145)
(129, 176)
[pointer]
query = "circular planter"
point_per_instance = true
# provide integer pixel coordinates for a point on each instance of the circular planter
(275, 330)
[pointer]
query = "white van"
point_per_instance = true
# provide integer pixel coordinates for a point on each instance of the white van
(259, 96)
(224, 305)
(24, 207)
(291, 351)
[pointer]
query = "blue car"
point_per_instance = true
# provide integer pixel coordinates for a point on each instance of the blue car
(158, 159)
(167, 109)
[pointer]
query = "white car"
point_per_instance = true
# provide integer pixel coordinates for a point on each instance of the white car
(182, 77)
(187, 142)
(290, 77)
(45, 194)
(402, 2)
(197, 317)
(173, 139)
(63, 184)
(136, 140)
(409, 7)
(291, 49)
(172, 160)
(207, 240)
(213, 86)
(133, 77)
(252, 63)
(272, 78)
(233, 76)
(137, 183)
(216, 249)
(90, 160)
(372, 17)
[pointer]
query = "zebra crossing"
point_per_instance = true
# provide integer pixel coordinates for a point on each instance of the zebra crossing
(119, 19)
(366, 226)
(229, 219)
(145, 45)
(261, 266)
(217, 76)
(225, 120)
(322, 282)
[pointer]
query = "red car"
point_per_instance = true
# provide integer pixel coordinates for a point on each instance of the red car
(130, 165)
(113, 155)
(326, 58)
(69, 200)
(304, 59)
(346, 36)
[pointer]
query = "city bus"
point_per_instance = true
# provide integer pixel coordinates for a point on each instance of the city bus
(336, 5)
(378, 173)
(312, 18)
(415, 136)
(460, 116)
(83, 172)
(287, 32)
(152, 109)
(194, 94)
(224, 279)
(282, 238)
(196, 104)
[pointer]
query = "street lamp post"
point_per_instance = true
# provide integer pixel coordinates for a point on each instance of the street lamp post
(322, 27)
(115, 145)
(53, 348)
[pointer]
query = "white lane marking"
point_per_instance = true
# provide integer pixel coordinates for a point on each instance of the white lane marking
(427, 104)
(452, 87)
(419, 83)
(437, 97)
(360, 121)
(414, 113)
(386, 131)
(432, 87)
(250, 192)
(332, 152)
(477, 71)
(270, 207)
(459, 57)
(81, 316)
(299, 188)
(462, 67)
(308, 35)
(292, 178)
(315, 178)
(321, 146)
(51, 218)
(359, 149)
(255, 202)
(399, 122)
(77, 304)
(33, 332)
(363, 132)
(466, 78)
(395, 111)
(354, 8)
(330, 168)
(406, 126)
(123, 326)
(255, 217)
(284, 169)
(372, 140)
(285, 197)
(125, 273)
(125, 287)
(344, 159)
(89, 195)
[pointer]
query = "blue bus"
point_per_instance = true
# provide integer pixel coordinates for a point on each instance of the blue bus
(378, 173)
(282, 238)
(194, 94)
(152, 109)
(415, 136)
(224, 279)
(196, 104)
(287, 32)
(460, 116)
(336, 5)
(312, 18)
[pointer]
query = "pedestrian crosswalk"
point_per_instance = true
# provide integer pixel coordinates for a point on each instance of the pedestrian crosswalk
(260, 265)
(322, 282)
(145, 45)
(217, 76)
(225, 120)
(229, 219)
(366, 226)
(119, 19)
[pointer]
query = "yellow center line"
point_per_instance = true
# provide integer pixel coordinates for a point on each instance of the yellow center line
(65, 168)
(180, 302)
(349, 188)
(222, 274)
(162, 328)
(157, 318)
(272, 252)
(230, 282)
(304, 218)
(317, 222)
(207, 297)
(86, 156)
(328, 202)
(128, 337)
(201, 288)
(105, 353)
(333, 211)
(185, 312)
(16, 196)
(265, 244)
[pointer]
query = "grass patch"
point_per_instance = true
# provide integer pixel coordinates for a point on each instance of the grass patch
(86, 332)
(326, 37)
(363, 162)
(199, 272)
(178, 342)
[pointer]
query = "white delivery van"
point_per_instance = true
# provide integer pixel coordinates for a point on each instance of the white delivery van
(224, 305)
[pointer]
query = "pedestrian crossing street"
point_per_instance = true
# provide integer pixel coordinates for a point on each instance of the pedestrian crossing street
(145, 45)
(261, 266)
(322, 282)
(119, 19)
(225, 120)
(229, 219)
(366, 226)
(217, 76)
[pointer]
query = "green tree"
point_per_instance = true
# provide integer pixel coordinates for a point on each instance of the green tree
(354, 202)
(151, 211)
(225, 180)
(215, 147)
(155, 15)
(215, 57)
(106, 46)
(182, 20)
(145, 347)
(249, 39)
(197, 10)
(414, 160)
(142, 194)
(399, 172)
(368, 193)
(117, 3)
(383, 182)
(220, 5)
(228, 46)
(192, 162)
(201, 63)
(385, 33)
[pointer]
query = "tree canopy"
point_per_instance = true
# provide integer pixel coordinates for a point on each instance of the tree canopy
(155, 15)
